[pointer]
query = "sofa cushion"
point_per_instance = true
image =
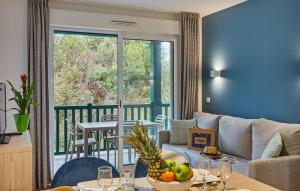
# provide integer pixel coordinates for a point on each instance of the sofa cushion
(206, 120)
(264, 130)
(273, 148)
(235, 136)
(179, 130)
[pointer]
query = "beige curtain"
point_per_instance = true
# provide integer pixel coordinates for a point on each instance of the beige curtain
(38, 42)
(190, 64)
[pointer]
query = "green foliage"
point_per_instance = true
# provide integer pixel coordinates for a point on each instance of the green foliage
(137, 71)
(86, 70)
(23, 98)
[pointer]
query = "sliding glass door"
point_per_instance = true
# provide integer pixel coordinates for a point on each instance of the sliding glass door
(147, 85)
(108, 77)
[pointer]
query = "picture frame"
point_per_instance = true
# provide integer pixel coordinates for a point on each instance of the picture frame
(200, 138)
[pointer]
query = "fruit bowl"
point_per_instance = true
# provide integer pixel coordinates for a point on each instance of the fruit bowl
(174, 185)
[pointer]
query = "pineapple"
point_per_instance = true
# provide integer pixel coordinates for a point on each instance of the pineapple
(146, 148)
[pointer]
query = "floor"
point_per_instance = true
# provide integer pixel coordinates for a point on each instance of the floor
(59, 160)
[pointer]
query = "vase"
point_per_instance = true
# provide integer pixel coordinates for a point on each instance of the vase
(22, 122)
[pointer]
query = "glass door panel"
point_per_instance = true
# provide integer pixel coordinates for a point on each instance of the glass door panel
(147, 85)
(85, 89)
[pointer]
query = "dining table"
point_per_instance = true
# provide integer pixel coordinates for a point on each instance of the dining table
(103, 126)
(237, 182)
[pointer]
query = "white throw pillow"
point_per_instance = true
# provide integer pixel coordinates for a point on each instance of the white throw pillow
(273, 149)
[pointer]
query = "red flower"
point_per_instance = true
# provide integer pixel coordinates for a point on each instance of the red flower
(24, 79)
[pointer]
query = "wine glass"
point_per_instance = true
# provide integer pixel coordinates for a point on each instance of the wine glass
(226, 171)
(127, 180)
(104, 177)
(204, 171)
(217, 172)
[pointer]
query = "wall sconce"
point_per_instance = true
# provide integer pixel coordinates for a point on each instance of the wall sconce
(215, 73)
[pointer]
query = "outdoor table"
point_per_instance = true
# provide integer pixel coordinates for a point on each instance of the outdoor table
(105, 126)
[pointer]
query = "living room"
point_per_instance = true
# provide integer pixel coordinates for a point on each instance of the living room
(211, 86)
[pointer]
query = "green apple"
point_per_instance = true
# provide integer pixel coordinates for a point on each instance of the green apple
(182, 172)
(171, 164)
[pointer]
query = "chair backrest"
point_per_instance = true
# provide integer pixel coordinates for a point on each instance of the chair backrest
(70, 126)
(71, 130)
(109, 117)
(140, 169)
(160, 119)
(128, 126)
(79, 170)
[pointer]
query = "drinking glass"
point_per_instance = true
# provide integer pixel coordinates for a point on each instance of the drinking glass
(105, 178)
(204, 171)
(217, 172)
(226, 171)
(127, 180)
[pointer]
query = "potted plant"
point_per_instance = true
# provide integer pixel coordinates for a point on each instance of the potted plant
(23, 100)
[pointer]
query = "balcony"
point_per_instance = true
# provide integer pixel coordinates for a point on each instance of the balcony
(93, 113)
(87, 69)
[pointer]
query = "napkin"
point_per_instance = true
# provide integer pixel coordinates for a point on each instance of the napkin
(210, 178)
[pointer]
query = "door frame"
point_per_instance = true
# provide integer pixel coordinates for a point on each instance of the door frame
(175, 69)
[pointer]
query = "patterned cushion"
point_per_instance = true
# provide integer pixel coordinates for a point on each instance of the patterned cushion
(179, 130)
(273, 148)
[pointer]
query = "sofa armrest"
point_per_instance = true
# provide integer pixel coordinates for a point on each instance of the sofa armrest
(163, 137)
(282, 172)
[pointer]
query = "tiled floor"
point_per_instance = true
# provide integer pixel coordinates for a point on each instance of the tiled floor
(59, 160)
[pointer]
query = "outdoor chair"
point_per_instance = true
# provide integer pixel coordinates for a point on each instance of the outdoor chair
(76, 141)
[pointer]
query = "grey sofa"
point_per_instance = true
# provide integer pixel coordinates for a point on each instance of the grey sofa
(246, 139)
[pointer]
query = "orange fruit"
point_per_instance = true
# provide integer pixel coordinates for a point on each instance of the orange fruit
(191, 173)
(168, 176)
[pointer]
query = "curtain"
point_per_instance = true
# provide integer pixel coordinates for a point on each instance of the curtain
(38, 42)
(190, 64)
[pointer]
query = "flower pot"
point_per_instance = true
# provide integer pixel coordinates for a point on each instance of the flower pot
(22, 122)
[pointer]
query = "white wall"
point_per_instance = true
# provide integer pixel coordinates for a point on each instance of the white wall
(59, 17)
(12, 45)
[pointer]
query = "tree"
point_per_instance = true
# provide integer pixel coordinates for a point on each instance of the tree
(86, 70)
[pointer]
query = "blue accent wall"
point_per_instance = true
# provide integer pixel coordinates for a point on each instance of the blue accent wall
(256, 44)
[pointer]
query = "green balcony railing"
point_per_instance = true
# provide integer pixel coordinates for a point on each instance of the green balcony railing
(93, 113)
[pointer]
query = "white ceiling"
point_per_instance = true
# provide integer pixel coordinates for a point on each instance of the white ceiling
(204, 7)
